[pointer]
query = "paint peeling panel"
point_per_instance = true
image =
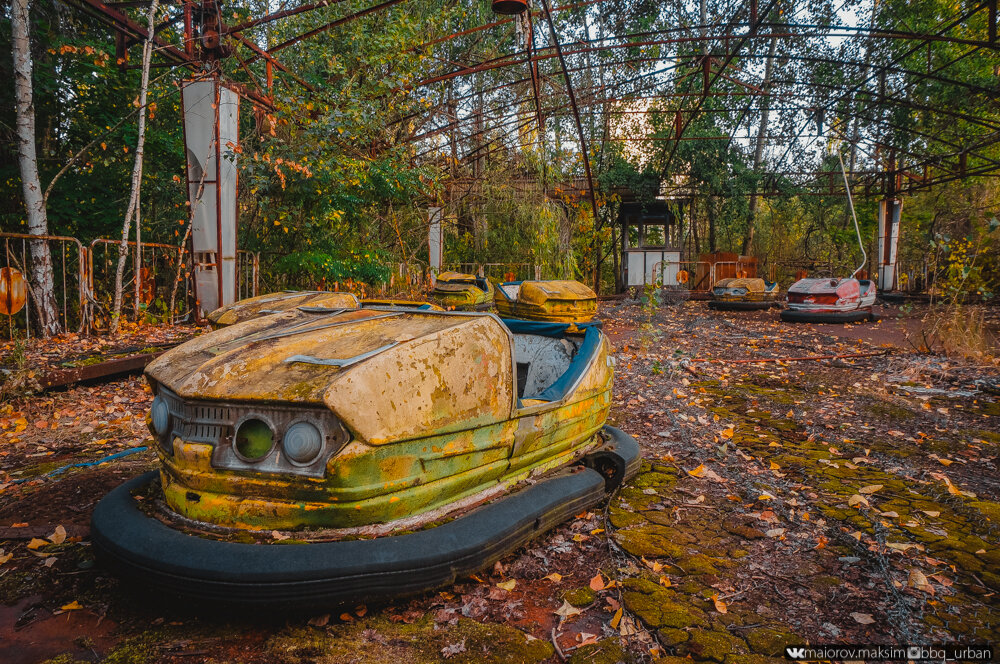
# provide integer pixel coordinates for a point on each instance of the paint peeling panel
(261, 360)
(451, 380)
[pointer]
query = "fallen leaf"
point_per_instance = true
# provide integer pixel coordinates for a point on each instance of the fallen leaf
(597, 583)
(627, 627)
(775, 466)
(320, 621)
(945, 462)
(775, 532)
(453, 649)
(279, 536)
(942, 579)
(931, 513)
(4, 557)
(720, 606)
(36, 543)
(616, 619)
(863, 618)
(59, 536)
(554, 577)
(727, 433)
(72, 606)
(697, 472)
(507, 585)
(856, 500)
(919, 581)
(665, 582)
(567, 610)
(870, 489)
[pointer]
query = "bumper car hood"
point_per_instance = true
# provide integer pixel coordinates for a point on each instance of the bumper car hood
(387, 374)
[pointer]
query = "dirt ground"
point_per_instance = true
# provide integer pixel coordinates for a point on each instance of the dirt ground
(844, 500)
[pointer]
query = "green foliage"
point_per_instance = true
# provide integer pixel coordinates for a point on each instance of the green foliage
(317, 267)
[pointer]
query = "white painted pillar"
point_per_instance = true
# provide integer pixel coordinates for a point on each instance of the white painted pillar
(211, 132)
(889, 213)
(435, 239)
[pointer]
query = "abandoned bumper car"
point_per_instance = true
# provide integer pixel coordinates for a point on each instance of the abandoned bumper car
(462, 292)
(744, 294)
(272, 303)
(830, 301)
(311, 457)
(551, 301)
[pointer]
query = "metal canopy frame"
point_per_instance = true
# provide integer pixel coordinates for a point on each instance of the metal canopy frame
(540, 83)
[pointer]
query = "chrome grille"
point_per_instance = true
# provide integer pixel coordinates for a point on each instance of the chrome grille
(215, 423)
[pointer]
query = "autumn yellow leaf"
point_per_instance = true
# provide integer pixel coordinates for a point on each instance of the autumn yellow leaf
(507, 585)
(665, 582)
(870, 489)
(727, 433)
(775, 466)
(36, 543)
(616, 619)
(697, 472)
(720, 606)
(72, 606)
(554, 577)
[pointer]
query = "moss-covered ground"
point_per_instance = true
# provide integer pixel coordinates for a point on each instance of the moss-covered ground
(846, 500)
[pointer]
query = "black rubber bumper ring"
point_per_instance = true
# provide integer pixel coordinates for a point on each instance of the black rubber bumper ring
(792, 316)
(723, 305)
(141, 548)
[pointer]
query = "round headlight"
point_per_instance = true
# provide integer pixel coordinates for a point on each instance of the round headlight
(160, 415)
(253, 440)
(303, 442)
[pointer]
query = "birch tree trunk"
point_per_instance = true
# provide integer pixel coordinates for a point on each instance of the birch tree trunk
(758, 154)
(134, 198)
(43, 282)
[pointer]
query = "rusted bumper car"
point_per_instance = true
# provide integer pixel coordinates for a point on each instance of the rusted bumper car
(548, 301)
(462, 292)
(311, 458)
(847, 300)
(743, 294)
(272, 303)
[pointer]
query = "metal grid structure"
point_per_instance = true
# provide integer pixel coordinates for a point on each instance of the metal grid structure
(583, 74)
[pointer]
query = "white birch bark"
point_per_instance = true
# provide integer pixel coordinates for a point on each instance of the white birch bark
(133, 205)
(43, 282)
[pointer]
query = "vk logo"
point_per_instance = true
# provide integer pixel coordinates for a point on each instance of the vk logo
(795, 653)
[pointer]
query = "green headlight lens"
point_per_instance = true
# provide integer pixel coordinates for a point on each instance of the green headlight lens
(254, 439)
